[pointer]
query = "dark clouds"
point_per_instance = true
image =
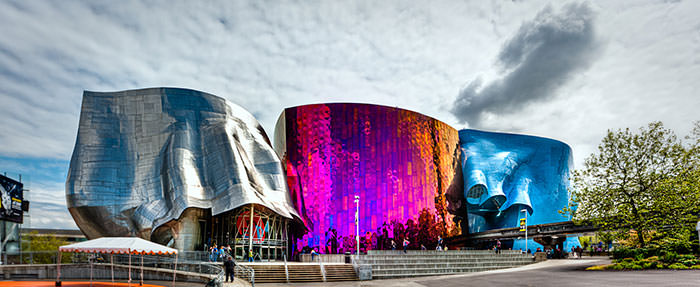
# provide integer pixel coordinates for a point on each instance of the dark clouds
(542, 55)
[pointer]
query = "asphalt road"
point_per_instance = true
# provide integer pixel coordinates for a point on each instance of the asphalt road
(573, 274)
(555, 273)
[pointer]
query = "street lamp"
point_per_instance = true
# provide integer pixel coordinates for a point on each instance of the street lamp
(357, 222)
(525, 210)
(697, 227)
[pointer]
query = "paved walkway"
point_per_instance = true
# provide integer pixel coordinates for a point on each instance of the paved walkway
(555, 273)
(238, 282)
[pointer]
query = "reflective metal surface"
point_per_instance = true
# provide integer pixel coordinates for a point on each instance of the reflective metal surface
(142, 157)
(404, 166)
(506, 173)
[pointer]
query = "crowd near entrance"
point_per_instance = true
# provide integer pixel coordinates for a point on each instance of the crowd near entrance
(253, 232)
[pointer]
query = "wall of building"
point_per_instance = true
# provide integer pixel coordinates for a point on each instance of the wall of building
(404, 166)
(507, 173)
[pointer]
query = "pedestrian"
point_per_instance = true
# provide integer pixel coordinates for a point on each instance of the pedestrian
(314, 253)
(405, 244)
(439, 243)
(230, 268)
(214, 253)
(579, 250)
(222, 253)
(393, 244)
(573, 252)
(498, 246)
(422, 247)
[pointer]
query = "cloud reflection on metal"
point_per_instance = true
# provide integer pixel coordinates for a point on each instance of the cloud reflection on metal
(142, 157)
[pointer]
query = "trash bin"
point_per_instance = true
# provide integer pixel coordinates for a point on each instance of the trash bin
(347, 258)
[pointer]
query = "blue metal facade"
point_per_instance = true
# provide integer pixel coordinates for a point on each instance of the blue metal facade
(507, 173)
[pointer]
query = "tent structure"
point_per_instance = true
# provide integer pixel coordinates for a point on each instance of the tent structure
(117, 245)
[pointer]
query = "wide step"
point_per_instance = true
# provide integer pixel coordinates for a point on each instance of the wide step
(300, 273)
(388, 264)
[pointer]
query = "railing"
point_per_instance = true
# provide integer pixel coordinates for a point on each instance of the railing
(188, 261)
(286, 269)
(246, 273)
(323, 270)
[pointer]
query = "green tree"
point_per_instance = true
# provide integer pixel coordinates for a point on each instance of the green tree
(629, 183)
(45, 248)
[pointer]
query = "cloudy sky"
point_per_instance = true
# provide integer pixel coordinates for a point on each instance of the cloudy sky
(568, 71)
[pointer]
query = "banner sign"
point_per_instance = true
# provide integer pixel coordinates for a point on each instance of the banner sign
(11, 197)
(523, 224)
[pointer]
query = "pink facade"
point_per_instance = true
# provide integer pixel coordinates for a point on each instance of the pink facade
(404, 166)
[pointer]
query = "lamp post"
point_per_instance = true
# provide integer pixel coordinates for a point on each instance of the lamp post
(697, 227)
(357, 222)
(525, 210)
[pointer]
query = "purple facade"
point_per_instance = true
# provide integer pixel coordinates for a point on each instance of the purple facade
(405, 167)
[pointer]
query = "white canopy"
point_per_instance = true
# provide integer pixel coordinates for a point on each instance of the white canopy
(119, 245)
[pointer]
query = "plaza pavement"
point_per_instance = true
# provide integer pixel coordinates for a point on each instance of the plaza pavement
(555, 273)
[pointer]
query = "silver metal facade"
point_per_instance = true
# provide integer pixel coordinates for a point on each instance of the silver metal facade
(142, 157)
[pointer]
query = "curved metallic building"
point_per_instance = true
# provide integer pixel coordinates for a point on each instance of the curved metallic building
(155, 162)
(507, 173)
(405, 167)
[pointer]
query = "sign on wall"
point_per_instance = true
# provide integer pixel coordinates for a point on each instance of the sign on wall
(11, 197)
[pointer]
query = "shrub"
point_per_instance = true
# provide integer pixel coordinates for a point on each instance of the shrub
(615, 267)
(695, 267)
(678, 266)
(669, 257)
(623, 252)
(601, 267)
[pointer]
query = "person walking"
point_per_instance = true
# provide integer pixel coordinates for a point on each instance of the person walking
(405, 244)
(230, 268)
(393, 244)
(214, 253)
(498, 246)
(439, 243)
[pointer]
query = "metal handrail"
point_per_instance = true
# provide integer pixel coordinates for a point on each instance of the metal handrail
(286, 270)
(248, 272)
(323, 270)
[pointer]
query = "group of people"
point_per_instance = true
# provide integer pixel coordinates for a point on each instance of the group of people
(576, 251)
(219, 252)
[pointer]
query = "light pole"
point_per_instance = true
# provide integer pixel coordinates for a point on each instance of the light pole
(525, 210)
(697, 227)
(357, 222)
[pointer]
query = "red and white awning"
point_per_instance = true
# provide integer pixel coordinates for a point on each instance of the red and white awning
(119, 245)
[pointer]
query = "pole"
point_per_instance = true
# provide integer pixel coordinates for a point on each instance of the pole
(175, 269)
(111, 259)
(526, 232)
(58, 271)
(91, 259)
(141, 270)
(129, 267)
(357, 222)
(525, 210)
(252, 231)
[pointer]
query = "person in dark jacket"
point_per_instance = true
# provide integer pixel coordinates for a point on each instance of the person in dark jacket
(230, 268)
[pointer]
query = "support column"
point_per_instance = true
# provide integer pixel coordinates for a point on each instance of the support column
(252, 231)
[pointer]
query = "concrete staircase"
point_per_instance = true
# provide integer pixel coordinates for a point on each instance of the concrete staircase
(388, 264)
(340, 272)
(269, 273)
(299, 273)
(304, 273)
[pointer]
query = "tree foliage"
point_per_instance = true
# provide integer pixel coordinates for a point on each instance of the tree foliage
(44, 248)
(647, 182)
